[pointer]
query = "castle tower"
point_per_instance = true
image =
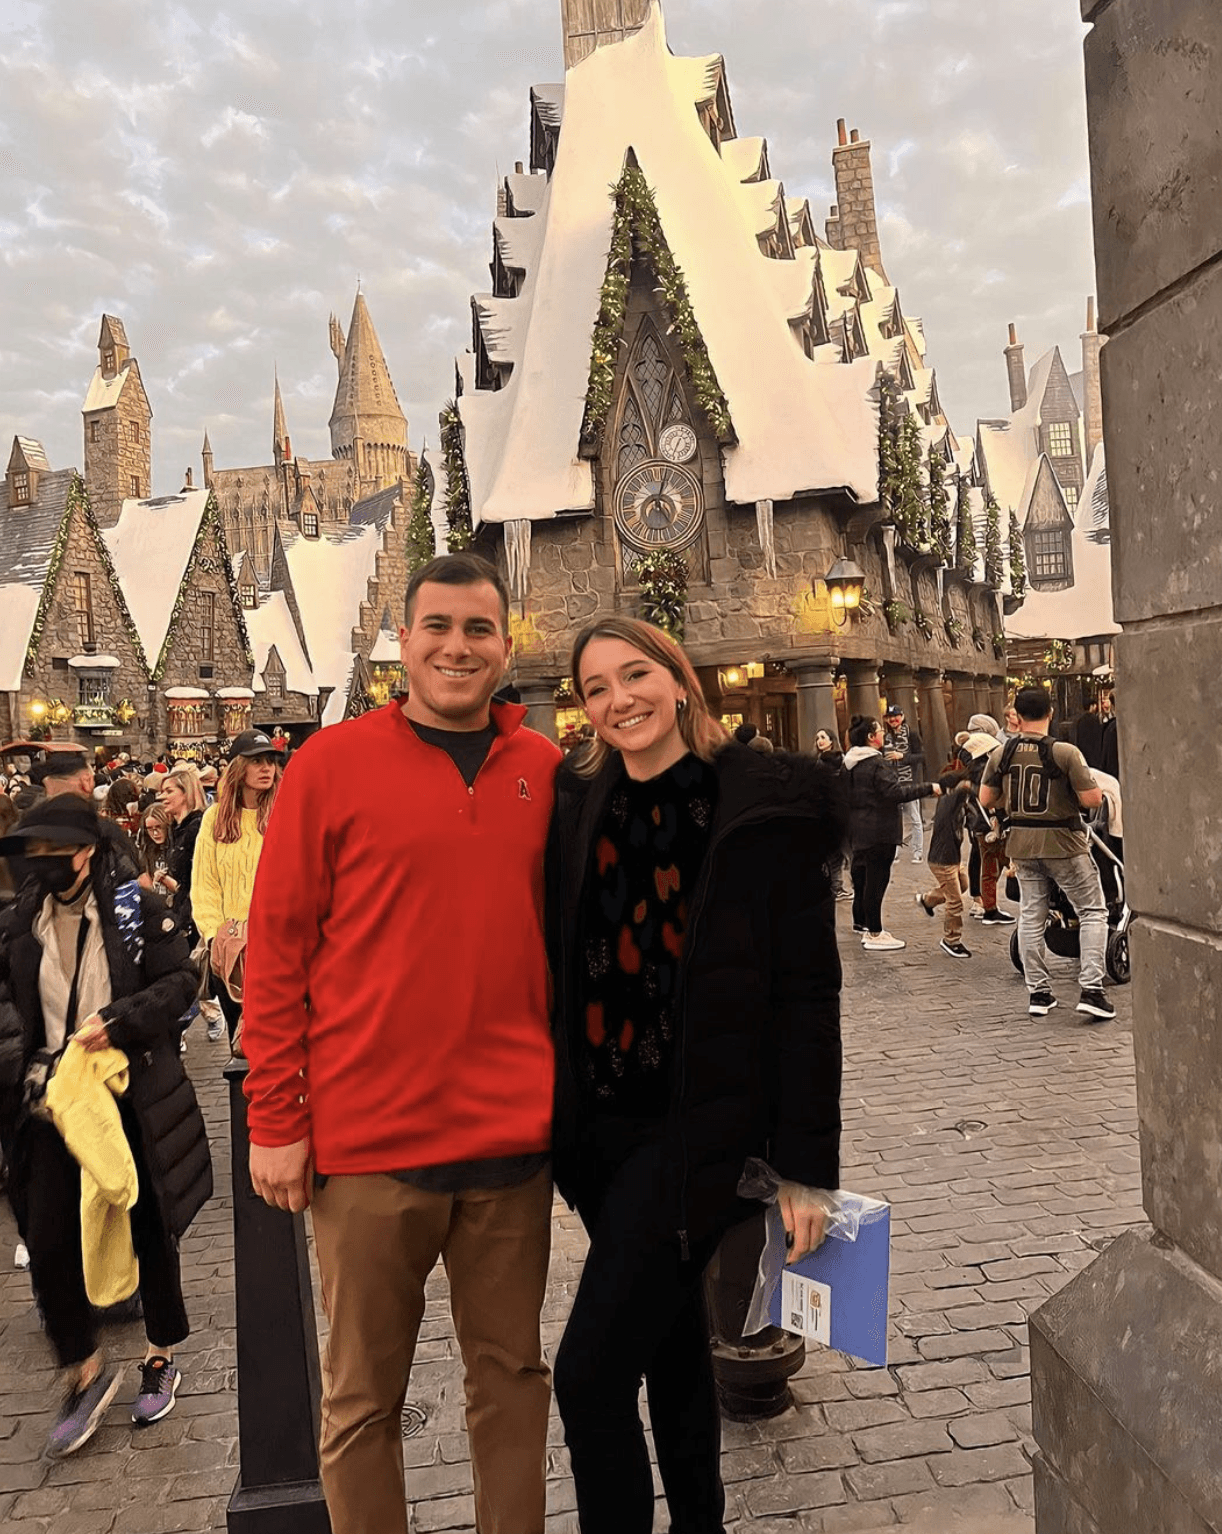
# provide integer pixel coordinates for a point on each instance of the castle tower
(206, 457)
(590, 24)
(118, 422)
(368, 426)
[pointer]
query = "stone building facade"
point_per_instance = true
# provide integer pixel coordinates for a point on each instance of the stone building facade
(758, 500)
(118, 426)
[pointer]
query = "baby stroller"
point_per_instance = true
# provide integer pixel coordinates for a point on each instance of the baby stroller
(1061, 928)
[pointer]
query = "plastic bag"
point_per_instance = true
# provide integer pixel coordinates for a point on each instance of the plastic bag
(845, 1214)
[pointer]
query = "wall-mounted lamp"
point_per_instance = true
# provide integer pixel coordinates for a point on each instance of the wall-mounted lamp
(844, 582)
(731, 678)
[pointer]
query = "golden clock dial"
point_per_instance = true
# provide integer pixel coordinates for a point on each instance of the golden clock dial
(659, 505)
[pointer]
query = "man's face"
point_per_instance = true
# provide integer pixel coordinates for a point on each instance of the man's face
(454, 655)
(893, 721)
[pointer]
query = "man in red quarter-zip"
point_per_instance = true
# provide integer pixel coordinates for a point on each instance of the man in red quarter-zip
(401, 1070)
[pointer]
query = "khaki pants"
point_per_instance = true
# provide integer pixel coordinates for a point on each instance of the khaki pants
(952, 881)
(377, 1240)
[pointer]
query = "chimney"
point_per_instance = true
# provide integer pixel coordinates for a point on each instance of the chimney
(858, 221)
(1092, 388)
(590, 24)
(1017, 370)
(517, 167)
(842, 137)
(188, 482)
(833, 228)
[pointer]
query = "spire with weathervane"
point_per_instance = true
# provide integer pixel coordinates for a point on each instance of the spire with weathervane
(280, 431)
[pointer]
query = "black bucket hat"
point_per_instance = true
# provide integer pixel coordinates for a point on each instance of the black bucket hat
(66, 819)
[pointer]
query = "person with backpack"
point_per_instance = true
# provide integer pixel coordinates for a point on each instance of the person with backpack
(1044, 785)
(94, 976)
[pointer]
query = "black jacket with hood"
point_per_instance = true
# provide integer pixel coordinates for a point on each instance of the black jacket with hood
(758, 1058)
(148, 998)
(875, 796)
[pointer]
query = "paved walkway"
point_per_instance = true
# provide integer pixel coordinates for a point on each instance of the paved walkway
(1007, 1146)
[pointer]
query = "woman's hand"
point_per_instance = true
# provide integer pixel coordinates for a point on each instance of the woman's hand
(804, 1215)
(92, 1035)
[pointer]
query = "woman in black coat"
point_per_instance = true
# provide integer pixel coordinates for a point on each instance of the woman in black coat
(697, 981)
(90, 960)
(875, 796)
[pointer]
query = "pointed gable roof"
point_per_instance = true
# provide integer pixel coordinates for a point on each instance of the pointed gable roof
(800, 425)
(1084, 609)
(28, 541)
(365, 398)
(112, 332)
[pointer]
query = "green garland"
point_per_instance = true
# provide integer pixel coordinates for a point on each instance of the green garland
(966, 551)
(458, 489)
(940, 530)
(1059, 655)
(636, 226)
(978, 640)
(899, 464)
(663, 580)
(994, 564)
(999, 644)
(954, 629)
(896, 614)
(421, 543)
(923, 623)
(1018, 560)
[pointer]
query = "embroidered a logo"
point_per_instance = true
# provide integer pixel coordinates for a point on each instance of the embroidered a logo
(524, 790)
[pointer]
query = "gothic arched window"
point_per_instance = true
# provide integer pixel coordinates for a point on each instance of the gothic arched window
(652, 400)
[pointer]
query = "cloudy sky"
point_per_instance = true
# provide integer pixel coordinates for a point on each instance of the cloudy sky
(219, 177)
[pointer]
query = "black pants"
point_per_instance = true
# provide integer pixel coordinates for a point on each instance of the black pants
(231, 1010)
(871, 876)
(50, 1201)
(639, 1312)
(973, 870)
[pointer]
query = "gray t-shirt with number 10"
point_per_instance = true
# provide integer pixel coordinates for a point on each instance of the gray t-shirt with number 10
(1044, 812)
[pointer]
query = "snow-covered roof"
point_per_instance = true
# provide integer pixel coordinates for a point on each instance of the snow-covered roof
(271, 623)
(385, 648)
(331, 578)
(1085, 608)
(19, 604)
(103, 392)
(94, 662)
(34, 454)
(799, 426)
(185, 694)
(549, 100)
(150, 546)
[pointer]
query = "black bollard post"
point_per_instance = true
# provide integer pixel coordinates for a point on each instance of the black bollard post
(751, 1373)
(279, 1381)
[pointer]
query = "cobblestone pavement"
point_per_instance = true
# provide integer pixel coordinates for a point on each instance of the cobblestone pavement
(1007, 1146)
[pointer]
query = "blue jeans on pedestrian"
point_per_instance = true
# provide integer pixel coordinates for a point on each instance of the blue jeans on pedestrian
(1078, 879)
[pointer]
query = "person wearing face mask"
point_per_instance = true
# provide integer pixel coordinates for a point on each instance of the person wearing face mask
(91, 962)
(691, 933)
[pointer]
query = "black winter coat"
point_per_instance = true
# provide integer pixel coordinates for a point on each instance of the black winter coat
(757, 1069)
(875, 796)
(142, 1019)
(179, 863)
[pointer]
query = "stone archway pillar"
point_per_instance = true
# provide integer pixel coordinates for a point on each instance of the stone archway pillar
(816, 701)
(935, 733)
(1126, 1359)
(863, 688)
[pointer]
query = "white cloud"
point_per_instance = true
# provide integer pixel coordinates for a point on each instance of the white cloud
(221, 183)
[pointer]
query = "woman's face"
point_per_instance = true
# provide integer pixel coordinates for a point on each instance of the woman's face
(155, 830)
(172, 796)
(632, 701)
(823, 741)
(1011, 721)
(260, 773)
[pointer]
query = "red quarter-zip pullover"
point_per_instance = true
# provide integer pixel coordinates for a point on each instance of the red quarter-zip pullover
(396, 1006)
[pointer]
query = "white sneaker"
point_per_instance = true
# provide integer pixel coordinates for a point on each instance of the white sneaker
(918, 857)
(977, 911)
(883, 943)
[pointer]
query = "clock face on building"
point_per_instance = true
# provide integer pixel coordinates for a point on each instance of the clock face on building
(678, 443)
(659, 505)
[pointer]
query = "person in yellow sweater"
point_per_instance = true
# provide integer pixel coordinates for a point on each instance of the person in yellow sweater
(229, 844)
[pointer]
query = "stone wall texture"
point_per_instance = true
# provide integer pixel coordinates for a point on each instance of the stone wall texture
(118, 461)
(1127, 1360)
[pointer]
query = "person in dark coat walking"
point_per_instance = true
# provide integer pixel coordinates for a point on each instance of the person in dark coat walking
(875, 796)
(90, 961)
(697, 1016)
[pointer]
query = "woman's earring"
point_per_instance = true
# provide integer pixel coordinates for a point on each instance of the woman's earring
(680, 705)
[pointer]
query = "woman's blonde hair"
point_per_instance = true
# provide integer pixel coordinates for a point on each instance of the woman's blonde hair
(187, 779)
(227, 826)
(703, 735)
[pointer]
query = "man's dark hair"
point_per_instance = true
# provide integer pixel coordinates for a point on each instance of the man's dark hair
(1032, 703)
(457, 570)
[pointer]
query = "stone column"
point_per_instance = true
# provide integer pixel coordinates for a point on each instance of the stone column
(963, 700)
(816, 701)
(864, 697)
(539, 698)
(1126, 1360)
(899, 685)
(935, 735)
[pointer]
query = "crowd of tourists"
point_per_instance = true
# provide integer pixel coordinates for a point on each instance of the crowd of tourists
(481, 971)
